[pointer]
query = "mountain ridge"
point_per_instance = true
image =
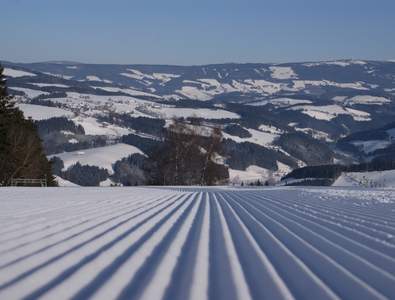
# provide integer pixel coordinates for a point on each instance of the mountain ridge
(4, 61)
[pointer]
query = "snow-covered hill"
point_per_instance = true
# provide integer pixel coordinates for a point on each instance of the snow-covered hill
(288, 114)
(223, 243)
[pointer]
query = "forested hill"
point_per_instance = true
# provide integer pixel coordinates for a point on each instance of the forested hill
(274, 117)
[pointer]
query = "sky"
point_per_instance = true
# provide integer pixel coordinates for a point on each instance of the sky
(191, 32)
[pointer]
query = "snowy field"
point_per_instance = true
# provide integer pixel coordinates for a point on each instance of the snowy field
(220, 243)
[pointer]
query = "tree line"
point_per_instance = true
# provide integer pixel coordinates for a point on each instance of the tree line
(327, 174)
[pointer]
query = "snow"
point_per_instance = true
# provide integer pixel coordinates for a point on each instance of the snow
(280, 102)
(51, 85)
(129, 91)
(367, 100)
(339, 98)
(138, 75)
(67, 132)
(197, 243)
(16, 73)
(242, 290)
(283, 73)
(40, 112)
(90, 104)
(64, 183)
(337, 63)
(172, 97)
(357, 197)
(195, 93)
(270, 129)
(205, 89)
(257, 137)
(210, 81)
(170, 112)
(30, 94)
(303, 84)
(95, 78)
(282, 170)
(367, 179)
(106, 183)
(164, 77)
(329, 112)
(59, 75)
(199, 287)
(133, 76)
(254, 173)
(73, 141)
(102, 157)
(317, 134)
(250, 85)
(251, 174)
(93, 127)
(160, 281)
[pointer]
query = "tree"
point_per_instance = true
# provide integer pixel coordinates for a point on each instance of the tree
(178, 157)
(209, 169)
(136, 169)
(21, 152)
(188, 156)
(6, 108)
(85, 175)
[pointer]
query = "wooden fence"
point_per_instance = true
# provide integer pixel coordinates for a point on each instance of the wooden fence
(29, 182)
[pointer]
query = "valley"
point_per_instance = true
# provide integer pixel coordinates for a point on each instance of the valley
(284, 116)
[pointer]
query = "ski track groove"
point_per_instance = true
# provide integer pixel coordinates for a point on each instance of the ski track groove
(330, 212)
(78, 246)
(379, 258)
(60, 208)
(75, 235)
(316, 255)
(178, 243)
(97, 214)
(326, 210)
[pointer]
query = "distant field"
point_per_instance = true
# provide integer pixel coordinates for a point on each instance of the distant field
(197, 243)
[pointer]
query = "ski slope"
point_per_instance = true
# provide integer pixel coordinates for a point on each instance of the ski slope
(197, 243)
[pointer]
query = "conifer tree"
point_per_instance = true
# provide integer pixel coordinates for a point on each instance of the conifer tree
(21, 152)
(5, 106)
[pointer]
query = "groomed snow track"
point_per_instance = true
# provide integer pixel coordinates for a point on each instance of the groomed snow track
(140, 243)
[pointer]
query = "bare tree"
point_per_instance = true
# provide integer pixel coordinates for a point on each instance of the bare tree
(188, 155)
(208, 175)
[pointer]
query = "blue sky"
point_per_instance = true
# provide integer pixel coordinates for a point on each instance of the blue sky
(196, 32)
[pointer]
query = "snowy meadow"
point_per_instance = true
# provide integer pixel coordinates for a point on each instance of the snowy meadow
(197, 243)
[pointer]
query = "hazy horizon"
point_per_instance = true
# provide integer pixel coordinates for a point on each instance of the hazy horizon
(189, 65)
(187, 32)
